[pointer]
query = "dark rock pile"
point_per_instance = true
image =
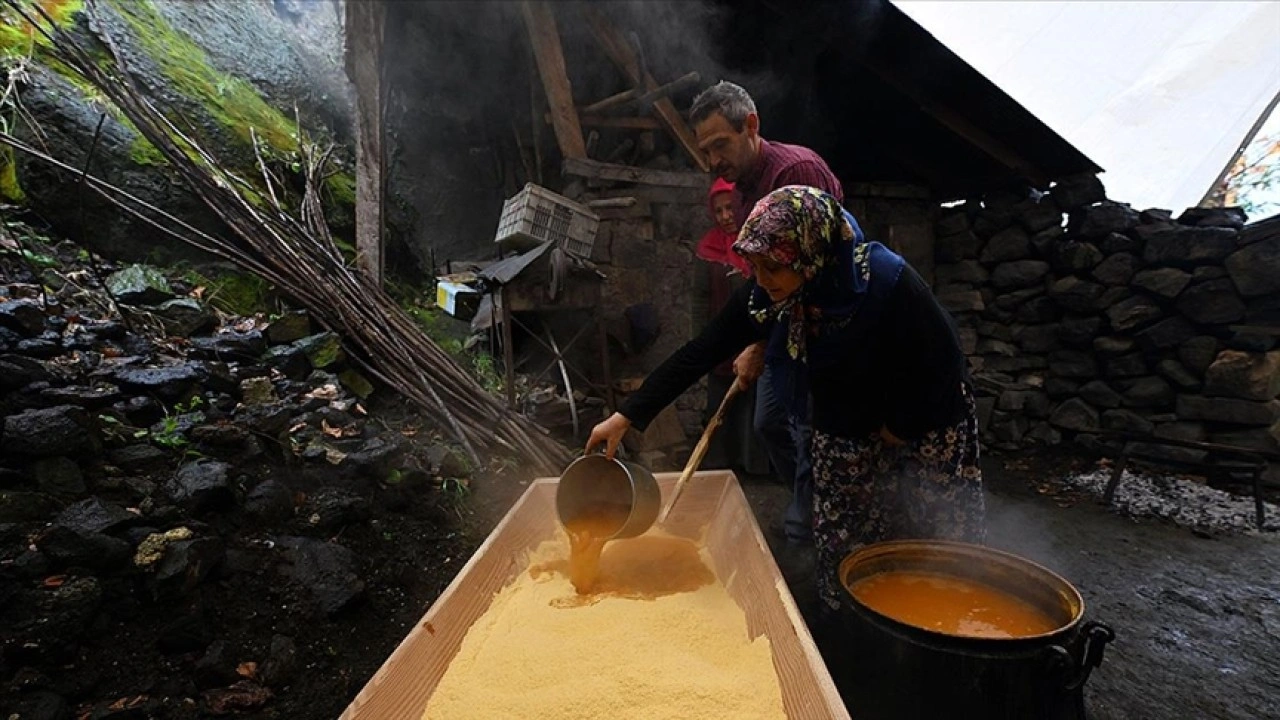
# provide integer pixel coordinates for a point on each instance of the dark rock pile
(1081, 314)
(183, 495)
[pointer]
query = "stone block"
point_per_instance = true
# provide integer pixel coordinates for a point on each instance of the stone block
(1076, 415)
(1149, 392)
(1103, 218)
(1134, 313)
(1009, 244)
(1075, 294)
(1073, 364)
(1183, 246)
(1079, 331)
(1019, 273)
(1042, 309)
(1255, 269)
(1181, 430)
(1076, 257)
(1077, 191)
(1198, 353)
(1244, 375)
(1228, 410)
(1212, 303)
(1127, 421)
(1126, 366)
(1100, 394)
(1178, 374)
(1167, 333)
(1117, 269)
(1113, 345)
(1037, 338)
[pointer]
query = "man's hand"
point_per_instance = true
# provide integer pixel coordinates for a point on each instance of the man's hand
(610, 433)
(749, 365)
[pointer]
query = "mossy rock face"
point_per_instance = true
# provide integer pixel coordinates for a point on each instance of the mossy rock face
(357, 383)
(324, 350)
(139, 285)
(289, 327)
(183, 316)
(226, 68)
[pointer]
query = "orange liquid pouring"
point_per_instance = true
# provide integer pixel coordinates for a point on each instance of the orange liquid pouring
(587, 535)
(950, 605)
(641, 568)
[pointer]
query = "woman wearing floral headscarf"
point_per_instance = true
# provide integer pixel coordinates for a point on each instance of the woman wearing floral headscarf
(865, 351)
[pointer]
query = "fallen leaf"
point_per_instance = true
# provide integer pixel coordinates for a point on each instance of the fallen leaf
(326, 392)
(54, 581)
(244, 695)
(247, 669)
(198, 292)
(329, 430)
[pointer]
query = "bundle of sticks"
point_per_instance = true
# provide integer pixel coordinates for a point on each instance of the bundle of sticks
(298, 256)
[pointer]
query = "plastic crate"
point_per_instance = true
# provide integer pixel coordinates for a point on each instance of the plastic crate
(535, 215)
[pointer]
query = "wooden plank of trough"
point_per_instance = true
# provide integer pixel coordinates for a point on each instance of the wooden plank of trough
(616, 47)
(713, 511)
(544, 36)
(597, 170)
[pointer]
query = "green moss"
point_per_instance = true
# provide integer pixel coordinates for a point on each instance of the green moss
(142, 152)
(342, 188)
(17, 37)
(10, 188)
(231, 292)
(233, 102)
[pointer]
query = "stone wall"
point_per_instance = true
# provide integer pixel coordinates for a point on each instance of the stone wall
(1080, 313)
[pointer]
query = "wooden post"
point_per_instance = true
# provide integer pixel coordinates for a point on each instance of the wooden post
(508, 352)
(366, 26)
(544, 36)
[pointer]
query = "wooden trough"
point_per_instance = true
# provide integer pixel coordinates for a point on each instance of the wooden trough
(712, 509)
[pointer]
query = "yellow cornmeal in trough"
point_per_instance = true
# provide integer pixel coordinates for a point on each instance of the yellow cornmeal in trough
(658, 639)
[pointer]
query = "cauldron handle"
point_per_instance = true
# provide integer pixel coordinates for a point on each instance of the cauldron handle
(1096, 637)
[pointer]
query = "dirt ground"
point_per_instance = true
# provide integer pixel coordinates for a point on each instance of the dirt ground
(1197, 619)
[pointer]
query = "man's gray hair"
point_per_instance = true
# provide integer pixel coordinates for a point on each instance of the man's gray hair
(726, 98)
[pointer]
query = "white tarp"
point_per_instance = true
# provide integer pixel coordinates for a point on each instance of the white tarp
(1159, 94)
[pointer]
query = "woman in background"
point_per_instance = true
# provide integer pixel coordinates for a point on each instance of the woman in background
(734, 445)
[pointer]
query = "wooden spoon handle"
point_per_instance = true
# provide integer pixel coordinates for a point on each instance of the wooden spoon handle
(700, 449)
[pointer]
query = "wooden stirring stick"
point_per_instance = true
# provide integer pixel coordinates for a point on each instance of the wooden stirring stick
(701, 448)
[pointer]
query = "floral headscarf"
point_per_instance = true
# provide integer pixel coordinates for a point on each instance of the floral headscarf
(805, 229)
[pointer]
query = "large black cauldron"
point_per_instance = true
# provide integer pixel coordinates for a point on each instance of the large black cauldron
(902, 672)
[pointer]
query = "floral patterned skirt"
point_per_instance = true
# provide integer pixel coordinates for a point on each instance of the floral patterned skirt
(866, 490)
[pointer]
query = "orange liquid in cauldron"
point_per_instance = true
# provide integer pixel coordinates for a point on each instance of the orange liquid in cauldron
(587, 535)
(950, 605)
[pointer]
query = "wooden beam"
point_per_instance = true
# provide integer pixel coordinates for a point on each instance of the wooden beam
(544, 36)
(616, 47)
(626, 173)
(953, 121)
(621, 123)
(616, 99)
(365, 26)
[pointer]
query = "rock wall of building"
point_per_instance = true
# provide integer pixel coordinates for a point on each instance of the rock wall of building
(1080, 313)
